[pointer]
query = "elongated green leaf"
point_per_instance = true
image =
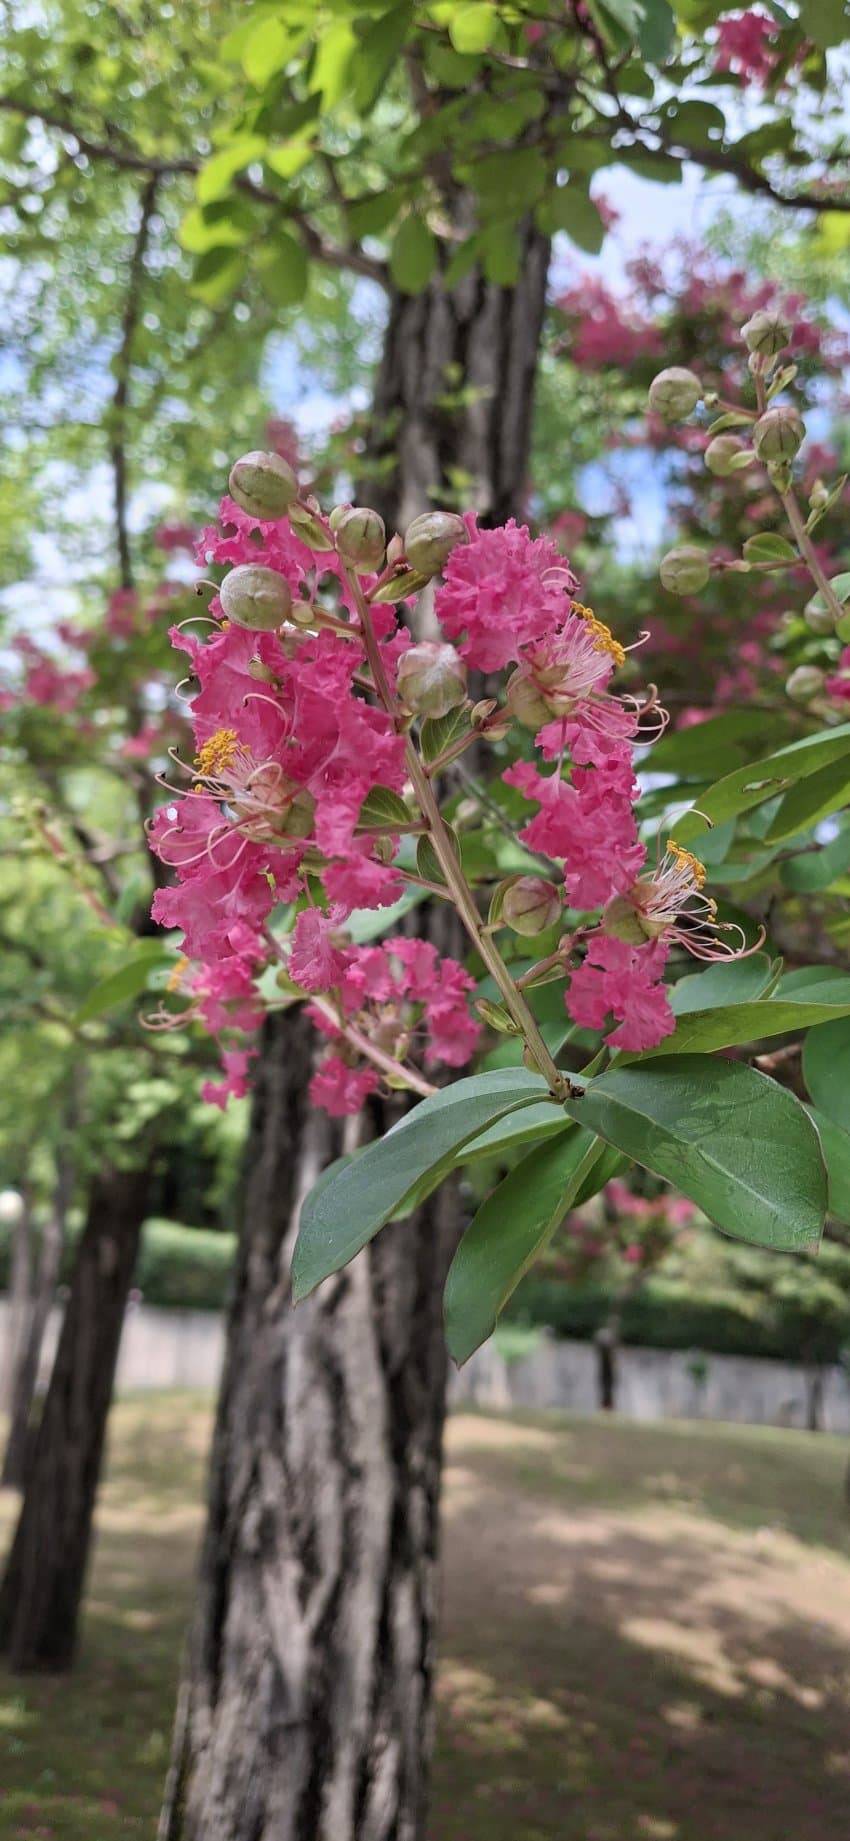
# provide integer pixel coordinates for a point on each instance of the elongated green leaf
(740, 1146)
(751, 786)
(704, 1032)
(734, 981)
(826, 1071)
(817, 869)
(835, 1145)
(413, 255)
(543, 1120)
(129, 981)
(508, 1232)
(816, 797)
(713, 746)
(340, 1217)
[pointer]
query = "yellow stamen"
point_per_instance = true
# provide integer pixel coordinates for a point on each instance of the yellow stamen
(687, 861)
(218, 753)
(175, 976)
(603, 637)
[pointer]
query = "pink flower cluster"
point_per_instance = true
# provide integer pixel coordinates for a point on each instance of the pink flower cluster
(300, 720)
(746, 44)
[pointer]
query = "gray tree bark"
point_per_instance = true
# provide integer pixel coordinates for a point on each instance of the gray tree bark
(28, 1354)
(306, 1710)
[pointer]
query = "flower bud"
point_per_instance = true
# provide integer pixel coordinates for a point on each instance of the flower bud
(684, 570)
(805, 683)
(621, 920)
(395, 551)
(262, 674)
(360, 537)
(431, 678)
(721, 454)
(674, 393)
(531, 905)
(778, 434)
(526, 702)
(255, 597)
(767, 333)
(303, 614)
(430, 539)
(264, 485)
(818, 617)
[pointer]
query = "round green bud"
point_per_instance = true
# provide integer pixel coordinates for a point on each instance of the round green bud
(674, 393)
(431, 678)
(766, 333)
(264, 485)
(721, 454)
(525, 701)
(255, 597)
(360, 537)
(778, 434)
(430, 539)
(684, 570)
(531, 905)
(818, 617)
(805, 683)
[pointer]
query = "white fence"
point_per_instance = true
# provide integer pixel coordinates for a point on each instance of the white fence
(184, 1348)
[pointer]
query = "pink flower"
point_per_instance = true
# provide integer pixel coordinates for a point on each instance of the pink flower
(623, 982)
(169, 537)
(501, 590)
(839, 685)
(589, 824)
(341, 1089)
(316, 961)
(235, 1084)
(746, 43)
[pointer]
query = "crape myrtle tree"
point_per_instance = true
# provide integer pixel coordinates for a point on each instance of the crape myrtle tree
(434, 151)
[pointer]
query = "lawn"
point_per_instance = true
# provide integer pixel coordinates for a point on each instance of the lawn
(646, 1634)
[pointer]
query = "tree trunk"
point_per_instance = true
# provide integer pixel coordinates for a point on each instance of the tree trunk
(18, 1299)
(42, 1587)
(28, 1360)
(306, 1712)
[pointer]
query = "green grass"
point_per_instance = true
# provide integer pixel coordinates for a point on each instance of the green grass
(646, 1635)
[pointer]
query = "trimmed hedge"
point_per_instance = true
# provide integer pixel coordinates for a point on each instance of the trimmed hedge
(185, 1268)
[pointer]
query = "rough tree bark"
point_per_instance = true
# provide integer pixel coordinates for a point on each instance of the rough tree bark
(42, 1586)
(306, 1711)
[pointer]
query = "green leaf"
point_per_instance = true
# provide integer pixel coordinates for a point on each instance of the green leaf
(815, 798)
(216, 275)
(286, 158)
(129, 981)
(377, 52)
(572, 210)
(818, 868)
(342, 1216)
(543, 1120)
(216, 177)
(658, 31)
(427, 861)
(826, 1070)
(413, 255)
(840, 584)
(501, 254)
(825, 22)
(212, 229)
(704, 1032)
(732, 981)
(751, 785)
(335, 51)
(381, 806)
(370, 923)
(508, 1232)
(769, 547)
(438, 732)
(266, 50)
(285, 277)
(835, 1145)
(739, 1145)
(722, 741)
(473, 27)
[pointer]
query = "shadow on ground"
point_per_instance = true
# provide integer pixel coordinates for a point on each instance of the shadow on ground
(646, 1634)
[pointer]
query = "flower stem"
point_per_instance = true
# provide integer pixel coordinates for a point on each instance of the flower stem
(456, 882)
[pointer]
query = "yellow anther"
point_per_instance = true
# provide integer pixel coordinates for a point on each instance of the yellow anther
(218, 753)
(603, 637)
(687, 862)
(175, 976)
